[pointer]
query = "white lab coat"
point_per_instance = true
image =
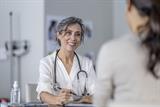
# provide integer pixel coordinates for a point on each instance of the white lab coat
(46, 78)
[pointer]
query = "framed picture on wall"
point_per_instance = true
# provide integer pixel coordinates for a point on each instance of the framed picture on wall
(51, 43)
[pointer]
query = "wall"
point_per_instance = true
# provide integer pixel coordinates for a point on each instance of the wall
(31, 21)
(97, 11)
(4, 65)
(120, 26)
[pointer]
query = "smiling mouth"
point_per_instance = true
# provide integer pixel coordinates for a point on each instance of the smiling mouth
(72, 44)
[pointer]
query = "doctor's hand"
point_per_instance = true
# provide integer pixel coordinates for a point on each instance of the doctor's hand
(64, 96)
(58, 100)
(86, 99)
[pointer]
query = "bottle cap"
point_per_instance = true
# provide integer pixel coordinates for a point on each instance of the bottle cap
(15, 85)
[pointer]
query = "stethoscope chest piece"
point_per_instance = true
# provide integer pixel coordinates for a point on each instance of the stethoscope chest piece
(56, 87)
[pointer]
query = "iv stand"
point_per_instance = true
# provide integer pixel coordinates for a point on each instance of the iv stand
(16, 49)
(11, 50)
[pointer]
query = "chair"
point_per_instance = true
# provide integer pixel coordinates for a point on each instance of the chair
(31, 94)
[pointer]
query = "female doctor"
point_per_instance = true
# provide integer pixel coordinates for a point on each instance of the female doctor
(64, 75)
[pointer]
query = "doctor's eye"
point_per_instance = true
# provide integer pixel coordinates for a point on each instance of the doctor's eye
(68, 33)
(78, 34)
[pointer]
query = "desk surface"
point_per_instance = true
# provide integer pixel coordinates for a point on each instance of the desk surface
(71, 105)
(67, 105)
(79, 105)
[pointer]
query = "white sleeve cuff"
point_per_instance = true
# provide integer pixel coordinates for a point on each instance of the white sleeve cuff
(43, 87)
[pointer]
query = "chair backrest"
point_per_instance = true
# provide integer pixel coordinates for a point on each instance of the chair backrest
(31, 94)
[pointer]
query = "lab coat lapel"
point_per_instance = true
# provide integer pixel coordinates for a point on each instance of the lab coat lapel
(75, 69)
(63, 70)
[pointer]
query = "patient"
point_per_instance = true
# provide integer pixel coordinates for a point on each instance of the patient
(128, 68)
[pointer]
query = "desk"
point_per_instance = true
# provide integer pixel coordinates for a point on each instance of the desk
(46, 105)
(73, 105)
(79, 105)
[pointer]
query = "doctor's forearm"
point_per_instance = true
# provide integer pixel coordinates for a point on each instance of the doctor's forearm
(49, 98)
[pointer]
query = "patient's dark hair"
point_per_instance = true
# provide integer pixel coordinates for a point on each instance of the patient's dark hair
(63, 25)
(151, 8)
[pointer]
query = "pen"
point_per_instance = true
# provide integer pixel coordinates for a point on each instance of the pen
(73, 93)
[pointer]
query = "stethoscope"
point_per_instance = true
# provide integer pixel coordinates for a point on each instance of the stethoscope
(56, 85)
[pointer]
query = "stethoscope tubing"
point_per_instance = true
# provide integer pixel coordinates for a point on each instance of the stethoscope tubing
(55, 73)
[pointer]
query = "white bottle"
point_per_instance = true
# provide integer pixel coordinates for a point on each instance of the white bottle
(15, 94)
(3, 104)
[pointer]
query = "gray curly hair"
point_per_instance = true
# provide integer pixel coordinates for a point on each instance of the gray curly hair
(63, 25)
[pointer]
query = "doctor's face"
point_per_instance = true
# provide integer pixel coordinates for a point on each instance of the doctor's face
(70, 38)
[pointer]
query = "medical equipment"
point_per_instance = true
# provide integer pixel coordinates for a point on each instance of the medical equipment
(16, 48)
(56, 85)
